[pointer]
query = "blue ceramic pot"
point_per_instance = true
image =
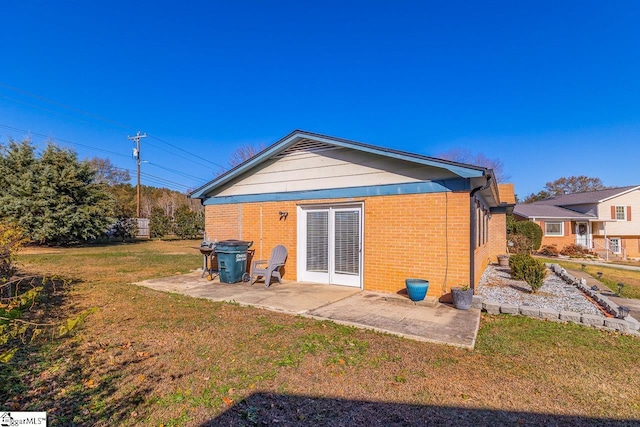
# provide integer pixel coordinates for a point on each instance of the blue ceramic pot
(416, 288)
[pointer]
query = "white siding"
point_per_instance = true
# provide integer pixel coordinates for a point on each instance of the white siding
(334, 168)
(622, 228)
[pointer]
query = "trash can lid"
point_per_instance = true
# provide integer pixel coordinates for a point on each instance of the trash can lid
(233, 242)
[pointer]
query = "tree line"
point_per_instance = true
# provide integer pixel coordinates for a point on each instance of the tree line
(566, 185)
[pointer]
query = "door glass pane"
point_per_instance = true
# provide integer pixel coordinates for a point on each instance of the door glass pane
(347, 242)
(318, 241)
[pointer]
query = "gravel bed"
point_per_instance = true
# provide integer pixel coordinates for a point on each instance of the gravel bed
(496, 285)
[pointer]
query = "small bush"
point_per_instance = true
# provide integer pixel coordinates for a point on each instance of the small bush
(548, 250)
(575, 250)
(525, 267)
(520, 244)
(11, 239)
(517, 264)
(534, 274)
(124, 228)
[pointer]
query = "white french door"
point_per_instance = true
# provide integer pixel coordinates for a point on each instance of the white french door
(330, 245)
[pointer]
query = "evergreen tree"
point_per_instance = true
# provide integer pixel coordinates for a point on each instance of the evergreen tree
(52, 197)
(159, 223)
(188, 224)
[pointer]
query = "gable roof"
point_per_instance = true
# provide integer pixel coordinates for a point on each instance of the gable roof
(301, 140)
(586, 197)
(536, 210)
(559, 206)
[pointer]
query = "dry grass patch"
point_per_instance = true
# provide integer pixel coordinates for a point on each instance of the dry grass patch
(150, 358)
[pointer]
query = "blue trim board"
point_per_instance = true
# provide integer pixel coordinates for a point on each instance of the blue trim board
(343, 193)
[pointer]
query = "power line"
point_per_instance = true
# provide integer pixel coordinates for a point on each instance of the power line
(36, 107)
(62, 140)
(153, 178)
(100, 118)
(182, 174)
(157, 178)
(160, 180)
(105, 120)
(59, 104)
(199, 157)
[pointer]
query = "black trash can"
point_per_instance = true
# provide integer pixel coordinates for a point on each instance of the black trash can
(232, 260)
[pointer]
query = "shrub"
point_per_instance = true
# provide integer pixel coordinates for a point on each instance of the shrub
(534, 274)
(575, 250)
(532, 231)
(525, 236)
(525, 267)
(188, 224)
(11, 238)
(519, 244)
(159, 223)
(125, 228)
(517, 264)
(548, 250)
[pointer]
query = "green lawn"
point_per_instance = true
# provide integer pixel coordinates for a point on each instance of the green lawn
(610, 277)
(150, 358)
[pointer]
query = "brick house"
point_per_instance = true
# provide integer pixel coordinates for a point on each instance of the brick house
(358, 215)
(605, 221)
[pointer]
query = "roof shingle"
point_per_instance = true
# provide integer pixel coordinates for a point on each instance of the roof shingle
(557, 206)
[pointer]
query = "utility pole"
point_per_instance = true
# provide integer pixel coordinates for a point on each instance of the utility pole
(136, 155)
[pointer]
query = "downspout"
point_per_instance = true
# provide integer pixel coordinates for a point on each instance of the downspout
(472, 240)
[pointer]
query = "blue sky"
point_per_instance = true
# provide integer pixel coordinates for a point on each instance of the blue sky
(550, 88)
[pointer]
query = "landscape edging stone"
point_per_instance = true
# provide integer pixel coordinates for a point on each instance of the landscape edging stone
(626, 325)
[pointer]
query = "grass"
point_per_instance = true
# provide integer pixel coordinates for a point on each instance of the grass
(611, 276)
(152, 358)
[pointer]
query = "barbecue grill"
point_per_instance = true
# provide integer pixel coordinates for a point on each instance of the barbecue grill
(208, 251)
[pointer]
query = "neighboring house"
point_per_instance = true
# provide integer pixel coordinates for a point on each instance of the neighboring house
(357, 215)
(606, 221)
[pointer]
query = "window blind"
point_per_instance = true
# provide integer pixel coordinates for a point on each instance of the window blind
(318, 241)
(347, 242)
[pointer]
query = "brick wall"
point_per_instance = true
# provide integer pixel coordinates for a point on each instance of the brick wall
(630, 244)
(222, 222)
(405, 236)
(497, 236)
(559, 241)
(496, 245)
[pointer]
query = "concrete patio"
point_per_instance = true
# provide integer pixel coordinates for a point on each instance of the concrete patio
(428, 320)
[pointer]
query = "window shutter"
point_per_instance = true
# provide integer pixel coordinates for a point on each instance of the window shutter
(567, 228)
(613, 212)
(628, 213)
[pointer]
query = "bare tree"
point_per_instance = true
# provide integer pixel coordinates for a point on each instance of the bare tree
(243, 153)
(574, 184)
(566, 185)
(462, 155)
(107, 173)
